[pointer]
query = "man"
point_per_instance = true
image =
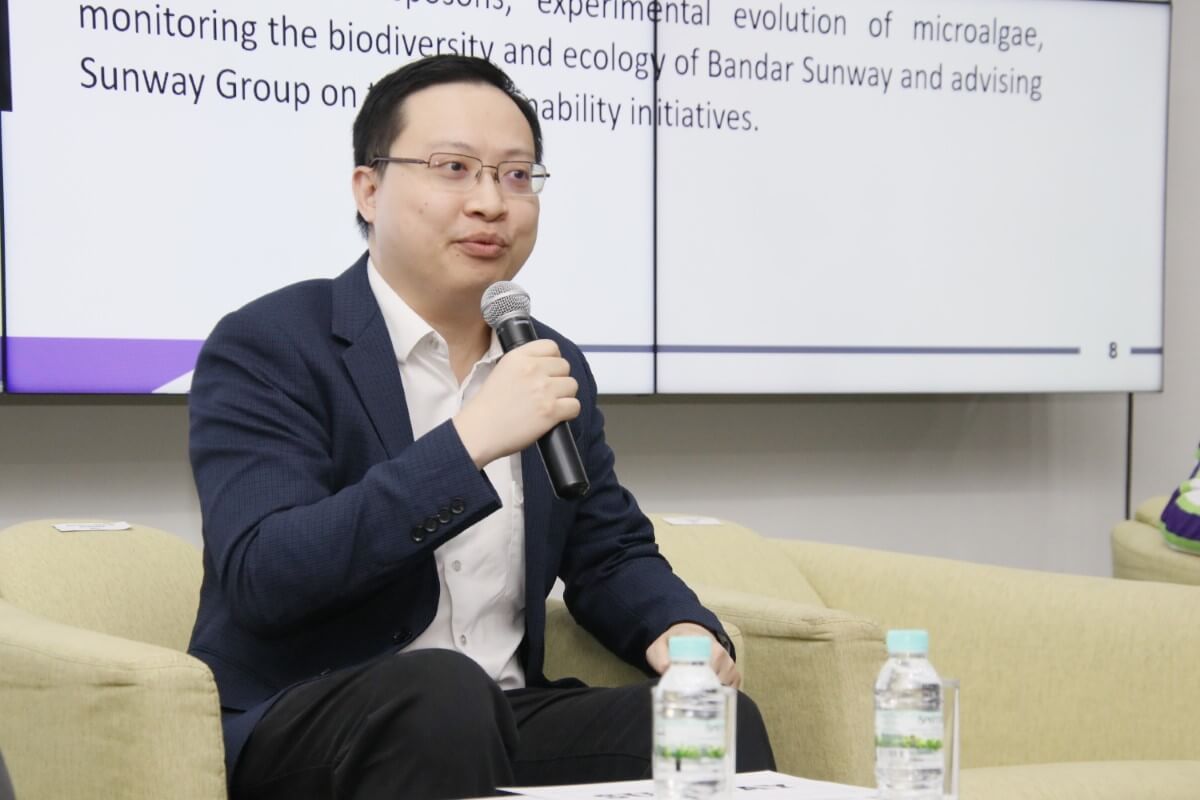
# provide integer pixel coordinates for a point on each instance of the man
(380, 535)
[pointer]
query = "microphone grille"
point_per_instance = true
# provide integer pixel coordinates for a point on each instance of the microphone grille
(504, 299)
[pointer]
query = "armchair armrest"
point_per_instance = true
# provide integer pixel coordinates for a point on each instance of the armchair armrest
(88, 715)
(811, 671)
(813, 679)
(573, 652)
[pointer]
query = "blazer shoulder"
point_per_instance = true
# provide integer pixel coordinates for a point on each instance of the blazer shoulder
(272, 334)
(317, 306)
(303, 300)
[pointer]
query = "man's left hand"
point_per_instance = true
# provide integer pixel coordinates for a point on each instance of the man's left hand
(658, 657)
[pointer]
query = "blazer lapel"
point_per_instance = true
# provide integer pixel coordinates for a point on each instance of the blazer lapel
(537, 511)
(370, 358)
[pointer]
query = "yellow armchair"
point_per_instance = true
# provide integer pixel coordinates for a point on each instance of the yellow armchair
(97, 697)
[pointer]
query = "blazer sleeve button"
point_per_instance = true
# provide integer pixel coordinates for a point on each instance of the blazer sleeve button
(418, 533)
(457, 506)
(443, 515)
(431, 525)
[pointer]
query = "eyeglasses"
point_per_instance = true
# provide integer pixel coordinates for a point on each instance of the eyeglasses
(458, 173)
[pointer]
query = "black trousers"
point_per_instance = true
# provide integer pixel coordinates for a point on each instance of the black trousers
(432, 724)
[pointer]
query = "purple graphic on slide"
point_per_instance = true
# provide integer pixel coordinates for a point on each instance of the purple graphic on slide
(96, 366)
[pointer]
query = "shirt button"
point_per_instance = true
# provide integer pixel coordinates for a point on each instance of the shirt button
(457, 566)
(462, 639)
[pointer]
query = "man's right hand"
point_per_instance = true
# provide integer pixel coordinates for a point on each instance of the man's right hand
(529, 392)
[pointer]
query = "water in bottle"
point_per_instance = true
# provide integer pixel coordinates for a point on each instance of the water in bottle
(908, 721)
(691, 754)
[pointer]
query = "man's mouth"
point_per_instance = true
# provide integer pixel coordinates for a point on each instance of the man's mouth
(483, 245)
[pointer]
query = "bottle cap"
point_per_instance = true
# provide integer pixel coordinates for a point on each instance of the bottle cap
(911, 641)
(690, 648)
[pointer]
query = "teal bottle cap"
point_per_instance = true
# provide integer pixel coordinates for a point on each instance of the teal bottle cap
(912, 641)
(690, 648)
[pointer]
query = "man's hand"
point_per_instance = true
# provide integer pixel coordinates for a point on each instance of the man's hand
(658, 657)
(529, 392)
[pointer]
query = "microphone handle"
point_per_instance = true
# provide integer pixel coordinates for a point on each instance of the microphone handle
(563, 464)
(557, 446)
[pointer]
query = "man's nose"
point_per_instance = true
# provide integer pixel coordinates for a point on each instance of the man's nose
(485, 196)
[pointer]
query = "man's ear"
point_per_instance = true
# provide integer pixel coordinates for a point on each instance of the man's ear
(364, 183)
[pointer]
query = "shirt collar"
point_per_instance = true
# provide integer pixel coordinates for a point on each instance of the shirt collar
(406, 327)
(495, 350)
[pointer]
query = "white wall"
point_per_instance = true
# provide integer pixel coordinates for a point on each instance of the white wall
(1031, 481)
(110, 459)
(1025, 481)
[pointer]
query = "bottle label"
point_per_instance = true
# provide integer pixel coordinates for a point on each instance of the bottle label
(919, 732)
(690, 738)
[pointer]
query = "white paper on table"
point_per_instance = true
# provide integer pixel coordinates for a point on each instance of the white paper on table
(765, 785)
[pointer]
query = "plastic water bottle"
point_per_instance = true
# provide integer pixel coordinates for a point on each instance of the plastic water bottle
(691, 758)
(909, 760)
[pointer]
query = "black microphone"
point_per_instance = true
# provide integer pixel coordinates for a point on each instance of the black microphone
(505, 308)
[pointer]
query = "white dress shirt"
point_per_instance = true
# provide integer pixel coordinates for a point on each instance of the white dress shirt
(481, 607)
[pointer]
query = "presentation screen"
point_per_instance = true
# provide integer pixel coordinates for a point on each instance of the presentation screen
(747, 197)
(925, 196)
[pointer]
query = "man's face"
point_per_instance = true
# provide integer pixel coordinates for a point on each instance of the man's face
(438, 247)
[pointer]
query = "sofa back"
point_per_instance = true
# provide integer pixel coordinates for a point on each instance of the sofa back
(1054, 667)
(730, 556)
(141, 584)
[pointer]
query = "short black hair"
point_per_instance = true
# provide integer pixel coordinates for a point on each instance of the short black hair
(380, 120)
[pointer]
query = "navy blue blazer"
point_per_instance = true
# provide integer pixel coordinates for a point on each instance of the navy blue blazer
(321, 513)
